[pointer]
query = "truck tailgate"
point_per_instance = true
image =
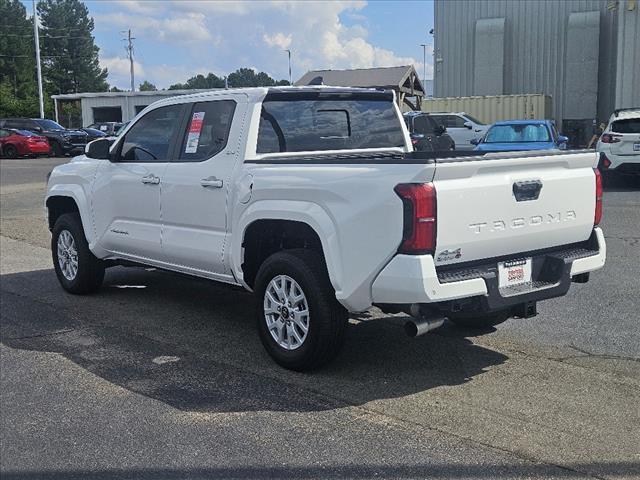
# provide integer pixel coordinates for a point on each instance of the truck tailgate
(508, 203)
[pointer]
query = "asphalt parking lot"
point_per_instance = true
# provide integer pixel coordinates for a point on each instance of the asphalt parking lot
(161, 376)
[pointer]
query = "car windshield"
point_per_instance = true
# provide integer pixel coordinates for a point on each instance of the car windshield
(49, 124)
(120, 129)
(518, 133)
(473, 119)
(25, 133)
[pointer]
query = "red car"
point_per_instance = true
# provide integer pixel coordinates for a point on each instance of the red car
(15, 143)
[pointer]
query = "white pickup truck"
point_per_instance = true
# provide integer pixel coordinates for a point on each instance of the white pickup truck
(312, 199)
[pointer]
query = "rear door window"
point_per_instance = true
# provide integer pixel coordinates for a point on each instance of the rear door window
(151, 138)
(328, 124)
(207, 130)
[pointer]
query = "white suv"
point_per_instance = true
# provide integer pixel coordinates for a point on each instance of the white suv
(462, 127)
(619, 144)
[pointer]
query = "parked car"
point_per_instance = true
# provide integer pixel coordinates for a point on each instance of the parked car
(313, 199)
(426, 134)
(17, 143)
(61, 140)
(93, 134)
(517, 135)
(462, 127)
(619, 144)
(108, 128)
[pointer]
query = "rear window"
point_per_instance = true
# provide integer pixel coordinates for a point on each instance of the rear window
(518, 133)
(629, 125)
(328, 124)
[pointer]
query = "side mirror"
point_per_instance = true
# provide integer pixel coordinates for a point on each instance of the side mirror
(98, 149)
(469, 125)
(474, 141)
(37, 129)
(439, 130)
(562, 139)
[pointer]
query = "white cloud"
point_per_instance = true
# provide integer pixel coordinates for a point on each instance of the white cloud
(278, 40)
(120, 66)
(231, 34)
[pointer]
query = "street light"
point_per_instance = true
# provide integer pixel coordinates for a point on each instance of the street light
(289, 54)
(424, 62)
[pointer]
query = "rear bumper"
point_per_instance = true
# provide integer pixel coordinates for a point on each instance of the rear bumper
(409, 279)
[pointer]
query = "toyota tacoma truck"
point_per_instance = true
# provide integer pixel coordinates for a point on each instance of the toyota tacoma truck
(312, 199)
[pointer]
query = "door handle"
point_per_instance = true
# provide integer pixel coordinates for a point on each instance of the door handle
(211, 182)
(150, 179)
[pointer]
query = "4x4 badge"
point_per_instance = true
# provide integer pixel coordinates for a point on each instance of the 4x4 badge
(447, 255)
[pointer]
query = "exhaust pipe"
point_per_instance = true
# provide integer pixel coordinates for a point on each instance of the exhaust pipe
(421, 323)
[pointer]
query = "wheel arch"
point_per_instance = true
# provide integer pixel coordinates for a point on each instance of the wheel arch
(69, 199)
(301, 217)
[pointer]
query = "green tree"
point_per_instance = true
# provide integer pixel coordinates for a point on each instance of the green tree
(200, 82)
(17, 61)
(69, 53)
(247, 77)
(147, 86)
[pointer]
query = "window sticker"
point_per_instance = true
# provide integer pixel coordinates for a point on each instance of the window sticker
(193, 138)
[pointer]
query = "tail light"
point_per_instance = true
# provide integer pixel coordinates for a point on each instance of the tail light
(419, 207)
(598, 213)
(608, 138)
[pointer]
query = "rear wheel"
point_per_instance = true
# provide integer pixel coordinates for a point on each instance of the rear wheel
(480, 322)
(10, 151)
(300, 322)
(77, 269)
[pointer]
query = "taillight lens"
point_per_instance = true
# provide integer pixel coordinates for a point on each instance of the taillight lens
(598, 213)
(419, 231)
(608, 138)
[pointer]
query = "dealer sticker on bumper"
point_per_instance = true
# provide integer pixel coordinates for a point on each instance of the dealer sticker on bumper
(514, 272)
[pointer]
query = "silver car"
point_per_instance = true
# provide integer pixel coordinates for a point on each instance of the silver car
(462, 127)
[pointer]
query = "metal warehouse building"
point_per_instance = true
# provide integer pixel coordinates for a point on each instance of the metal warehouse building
(585, 54)
(111, 106)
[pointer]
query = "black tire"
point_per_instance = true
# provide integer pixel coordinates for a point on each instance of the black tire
(327, 318)
(90, 270)
(56, 149)
(10, 151)
(480, 322)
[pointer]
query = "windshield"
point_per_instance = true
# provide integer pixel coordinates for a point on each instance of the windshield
(473, 119)
(49, 124)
(518, 133)
(25, 133)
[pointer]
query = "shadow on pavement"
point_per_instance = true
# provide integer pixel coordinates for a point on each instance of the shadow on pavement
(192, 344)
(614, 182)
(467, 471)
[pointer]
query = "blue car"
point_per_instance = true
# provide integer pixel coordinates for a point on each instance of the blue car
(513, 135)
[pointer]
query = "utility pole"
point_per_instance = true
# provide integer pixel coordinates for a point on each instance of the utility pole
(129, 49)
(424, 65)
(289, 53)
(36, 37)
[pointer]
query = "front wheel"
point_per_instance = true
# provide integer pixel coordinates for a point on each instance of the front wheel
(300, 322)
(77, 269)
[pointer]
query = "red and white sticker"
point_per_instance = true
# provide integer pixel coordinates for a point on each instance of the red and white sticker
(195, 127)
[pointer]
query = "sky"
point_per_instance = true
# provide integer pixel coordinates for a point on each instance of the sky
(177, 39)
